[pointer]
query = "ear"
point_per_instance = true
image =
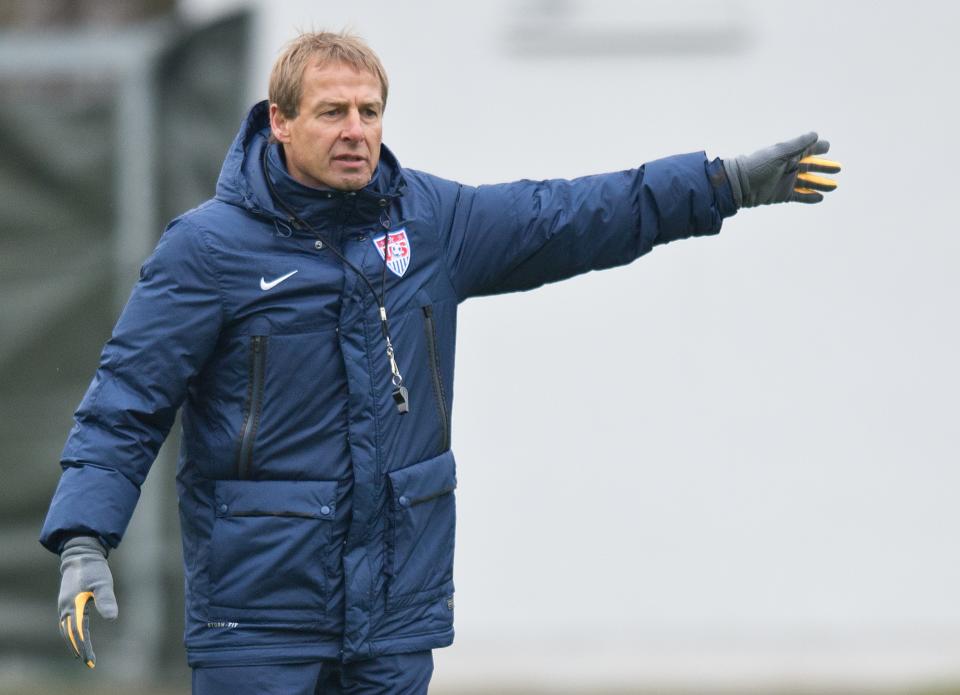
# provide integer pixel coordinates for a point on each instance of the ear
(279, 124)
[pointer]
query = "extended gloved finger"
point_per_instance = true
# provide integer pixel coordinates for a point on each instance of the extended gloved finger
(799, 144)
(86, 645)
(817, 183)
(805, 195)
(818, 147)
(819, 164)
(66, 631)
(75, 628)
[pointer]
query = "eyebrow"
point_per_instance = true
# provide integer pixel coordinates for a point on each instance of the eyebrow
(344, 102)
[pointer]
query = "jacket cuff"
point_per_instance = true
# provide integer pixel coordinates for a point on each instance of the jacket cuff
(89, 501)
(722, 189)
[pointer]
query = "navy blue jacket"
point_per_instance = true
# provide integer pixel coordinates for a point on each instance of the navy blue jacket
(317, 521)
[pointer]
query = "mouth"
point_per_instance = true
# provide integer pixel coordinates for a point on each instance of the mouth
(350, 159)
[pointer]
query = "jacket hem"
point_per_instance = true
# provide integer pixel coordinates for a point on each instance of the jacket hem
(405, 645)
(273, 654)
(306, 653)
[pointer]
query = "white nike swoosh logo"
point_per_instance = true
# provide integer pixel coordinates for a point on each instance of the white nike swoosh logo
(264, 285)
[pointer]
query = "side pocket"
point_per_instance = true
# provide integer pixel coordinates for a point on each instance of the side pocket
(421, 538)
(268, 549)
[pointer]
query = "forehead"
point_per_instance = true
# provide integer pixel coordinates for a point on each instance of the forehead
(339, 81)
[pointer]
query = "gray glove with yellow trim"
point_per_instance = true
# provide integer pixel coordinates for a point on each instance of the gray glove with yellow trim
(84, 575)
(782, 173)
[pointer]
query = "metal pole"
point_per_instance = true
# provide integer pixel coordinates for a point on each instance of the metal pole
(141, 556)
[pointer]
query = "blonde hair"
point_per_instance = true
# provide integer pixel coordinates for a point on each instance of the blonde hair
(319, 48)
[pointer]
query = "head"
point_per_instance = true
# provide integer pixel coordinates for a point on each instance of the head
(327, 96)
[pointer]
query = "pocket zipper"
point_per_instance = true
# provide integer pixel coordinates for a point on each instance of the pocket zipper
(251, 420)
(434, 356)
(295, 515)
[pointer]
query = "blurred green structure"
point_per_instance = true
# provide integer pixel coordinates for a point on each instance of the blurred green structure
(112, 121)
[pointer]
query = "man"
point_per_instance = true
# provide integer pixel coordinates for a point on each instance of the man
(305, 319)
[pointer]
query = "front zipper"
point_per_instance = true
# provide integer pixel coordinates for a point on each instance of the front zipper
(441, 400)
(251, 419)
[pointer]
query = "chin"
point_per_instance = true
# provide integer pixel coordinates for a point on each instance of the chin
(352, 183)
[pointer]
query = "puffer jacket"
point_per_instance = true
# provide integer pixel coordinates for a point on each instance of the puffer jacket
(318, 521)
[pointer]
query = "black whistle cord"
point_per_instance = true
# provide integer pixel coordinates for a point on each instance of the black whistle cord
(401, 397)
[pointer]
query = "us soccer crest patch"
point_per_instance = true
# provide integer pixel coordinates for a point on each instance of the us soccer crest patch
(395, 251)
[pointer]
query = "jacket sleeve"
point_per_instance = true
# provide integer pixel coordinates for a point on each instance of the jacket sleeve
(162, 339)
(518, 236)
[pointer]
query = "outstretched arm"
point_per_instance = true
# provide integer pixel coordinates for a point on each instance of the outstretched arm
(517, 236)
(520, 235)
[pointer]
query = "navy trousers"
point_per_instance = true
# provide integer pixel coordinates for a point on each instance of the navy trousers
(398, 674)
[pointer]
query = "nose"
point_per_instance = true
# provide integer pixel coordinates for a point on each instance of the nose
(352, 129)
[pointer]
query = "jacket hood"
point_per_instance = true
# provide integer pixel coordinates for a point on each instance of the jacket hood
(243, 182)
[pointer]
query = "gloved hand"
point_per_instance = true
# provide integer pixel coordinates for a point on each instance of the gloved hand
(782, 173)
(84, 575)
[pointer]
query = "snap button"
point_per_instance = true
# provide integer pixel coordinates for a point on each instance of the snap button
(383, 202)
(324, 510)
(318, 245)
(404, 501)
(223, 508)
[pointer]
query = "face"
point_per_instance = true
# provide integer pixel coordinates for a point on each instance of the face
(334, 141)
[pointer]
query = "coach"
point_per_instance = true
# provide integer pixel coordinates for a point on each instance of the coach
(304, 319)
